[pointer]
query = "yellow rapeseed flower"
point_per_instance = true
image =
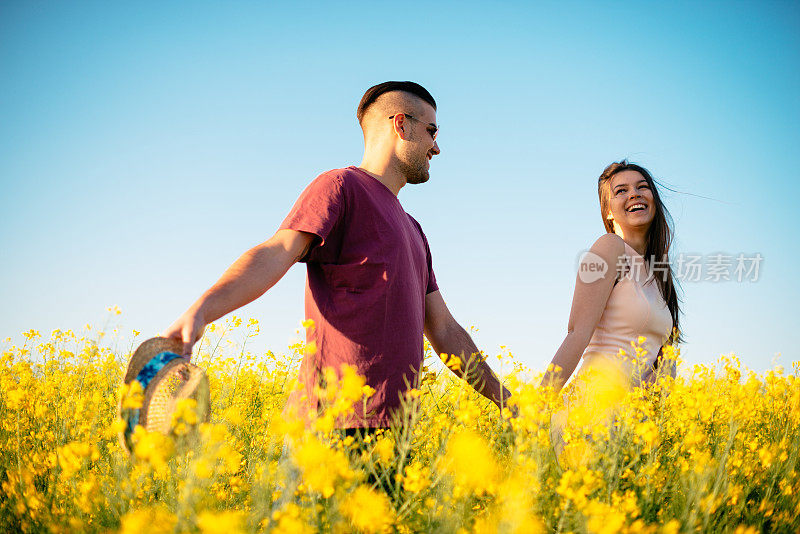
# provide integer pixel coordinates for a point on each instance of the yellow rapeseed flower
(385, 449)
(154, 520)
(368, 510)
(152, 447)
(452, 361)
(289, 521)
(228, 522)
(15, 398)
(132, 395)
(719, 433)
(322, 466)
(416, 477)
(470, 461)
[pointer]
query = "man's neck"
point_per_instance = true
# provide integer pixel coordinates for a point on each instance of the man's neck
(385, 173)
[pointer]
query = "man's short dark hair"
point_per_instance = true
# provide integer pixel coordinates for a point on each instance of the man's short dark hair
(375, 91)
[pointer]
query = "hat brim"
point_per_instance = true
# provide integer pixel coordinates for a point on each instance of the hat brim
(177, 380)
(147, 350)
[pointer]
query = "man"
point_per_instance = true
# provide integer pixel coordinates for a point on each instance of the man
(370, 289)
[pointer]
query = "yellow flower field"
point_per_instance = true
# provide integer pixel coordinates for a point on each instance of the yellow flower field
(714, 451)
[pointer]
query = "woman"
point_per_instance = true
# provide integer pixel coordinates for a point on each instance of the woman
(625, 288)
(624, 310)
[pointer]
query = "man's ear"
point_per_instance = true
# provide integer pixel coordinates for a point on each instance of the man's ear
(399, 124)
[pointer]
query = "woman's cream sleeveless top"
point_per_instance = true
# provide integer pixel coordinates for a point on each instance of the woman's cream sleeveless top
(635, 308)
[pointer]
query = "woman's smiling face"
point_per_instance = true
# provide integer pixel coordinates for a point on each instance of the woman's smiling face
(632, 202)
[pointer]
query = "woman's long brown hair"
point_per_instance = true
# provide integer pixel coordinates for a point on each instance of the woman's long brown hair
(659, 237)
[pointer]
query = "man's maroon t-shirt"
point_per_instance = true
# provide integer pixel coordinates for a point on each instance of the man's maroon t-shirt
(368, 274)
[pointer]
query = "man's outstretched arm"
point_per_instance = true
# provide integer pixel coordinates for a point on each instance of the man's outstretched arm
(248, 278)
(446, 336)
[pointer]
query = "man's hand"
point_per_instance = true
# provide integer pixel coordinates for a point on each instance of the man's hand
(188, 328)
(248, 278)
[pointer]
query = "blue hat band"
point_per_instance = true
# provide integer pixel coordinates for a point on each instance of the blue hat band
(144, 378)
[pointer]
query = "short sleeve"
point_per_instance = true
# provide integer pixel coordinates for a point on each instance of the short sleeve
(432, 285)
(317, 211)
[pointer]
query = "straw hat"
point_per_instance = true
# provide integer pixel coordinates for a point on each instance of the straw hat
(166, 377)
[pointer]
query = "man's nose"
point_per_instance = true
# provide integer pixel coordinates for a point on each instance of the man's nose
(435, 148)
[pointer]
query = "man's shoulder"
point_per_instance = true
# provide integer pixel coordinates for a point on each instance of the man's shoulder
(333, 177)
(345, 175)
(414, 221)
(334, 182)
(340, 181)
(416, 225)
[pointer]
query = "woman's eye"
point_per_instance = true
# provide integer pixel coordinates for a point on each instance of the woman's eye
(620, 191)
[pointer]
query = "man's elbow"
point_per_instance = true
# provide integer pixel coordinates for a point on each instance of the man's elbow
(289, 245)
(436, 333)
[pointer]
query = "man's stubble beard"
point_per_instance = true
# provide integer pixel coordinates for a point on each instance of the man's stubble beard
(416, 172)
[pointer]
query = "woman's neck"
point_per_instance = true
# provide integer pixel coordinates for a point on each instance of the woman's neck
(634, 237)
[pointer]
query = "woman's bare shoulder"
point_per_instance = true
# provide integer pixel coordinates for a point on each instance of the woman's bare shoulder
(609, 246)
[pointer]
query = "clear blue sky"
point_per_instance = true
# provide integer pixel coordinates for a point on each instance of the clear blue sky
(144, 146)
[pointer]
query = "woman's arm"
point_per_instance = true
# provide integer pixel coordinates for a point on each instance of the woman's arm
(591, 294)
